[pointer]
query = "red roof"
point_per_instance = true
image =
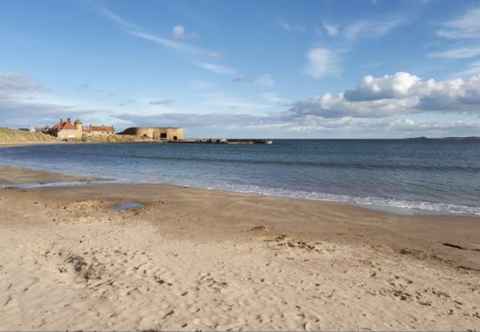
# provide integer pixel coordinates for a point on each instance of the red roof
(107, 129)
(68, 124)
(63, 125)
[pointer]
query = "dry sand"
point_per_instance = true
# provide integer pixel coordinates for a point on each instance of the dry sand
(196, 259)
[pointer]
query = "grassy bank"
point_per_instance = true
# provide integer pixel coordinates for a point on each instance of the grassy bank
(14, 136)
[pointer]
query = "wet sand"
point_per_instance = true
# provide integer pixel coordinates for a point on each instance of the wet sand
(196, 259)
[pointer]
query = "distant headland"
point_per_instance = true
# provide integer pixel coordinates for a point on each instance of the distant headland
(446, 139)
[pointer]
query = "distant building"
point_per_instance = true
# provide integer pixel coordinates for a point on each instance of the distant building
(31, 130)
(159, 133)
(66, 130)
(98, 130)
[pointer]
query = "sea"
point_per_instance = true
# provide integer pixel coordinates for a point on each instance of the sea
(401, 176)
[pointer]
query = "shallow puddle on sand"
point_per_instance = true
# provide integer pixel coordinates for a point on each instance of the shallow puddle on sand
(125, 206)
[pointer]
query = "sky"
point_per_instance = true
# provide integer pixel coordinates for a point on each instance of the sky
(272, 68)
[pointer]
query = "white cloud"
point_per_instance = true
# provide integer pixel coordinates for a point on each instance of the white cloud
(321, 62)
(391, 95)
(457, 53)
(331, 29)
(465, 27)
(178, 32)
(336, 106)
(392, 105)
(456, 95)
(386, 87)
(216, 68)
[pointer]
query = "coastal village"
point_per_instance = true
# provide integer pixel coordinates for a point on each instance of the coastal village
(68, 130)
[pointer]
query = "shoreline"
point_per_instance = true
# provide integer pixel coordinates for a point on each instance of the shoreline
(57, 184)
(58, 142)
(408, 208)
(147, 256)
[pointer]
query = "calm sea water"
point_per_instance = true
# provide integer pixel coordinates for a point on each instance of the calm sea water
(430, 177)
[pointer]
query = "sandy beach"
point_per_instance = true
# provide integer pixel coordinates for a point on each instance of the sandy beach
(191, 259)
(240, 165)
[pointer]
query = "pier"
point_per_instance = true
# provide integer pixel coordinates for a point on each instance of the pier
(223, 141)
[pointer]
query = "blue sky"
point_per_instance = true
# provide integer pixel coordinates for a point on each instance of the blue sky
(321, 69)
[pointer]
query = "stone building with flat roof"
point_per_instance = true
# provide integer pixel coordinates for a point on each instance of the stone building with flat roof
(156, 133)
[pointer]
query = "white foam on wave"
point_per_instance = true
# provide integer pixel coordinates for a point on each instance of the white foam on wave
(36, 185)
(391, 205)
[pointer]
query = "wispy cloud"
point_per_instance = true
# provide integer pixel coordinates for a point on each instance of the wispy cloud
(25, 102)
(162, 102)
(276, 100)
(118, 19)
(291, 27)
(370, 29)
(200, 85)
(331, 29)
(361, 29)
(179, 46)
(139, 32)
(18, 85)
(213, 101)
(216, 68)
(457, 53)
(473, 69)
(263, 81)
(464, 27)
